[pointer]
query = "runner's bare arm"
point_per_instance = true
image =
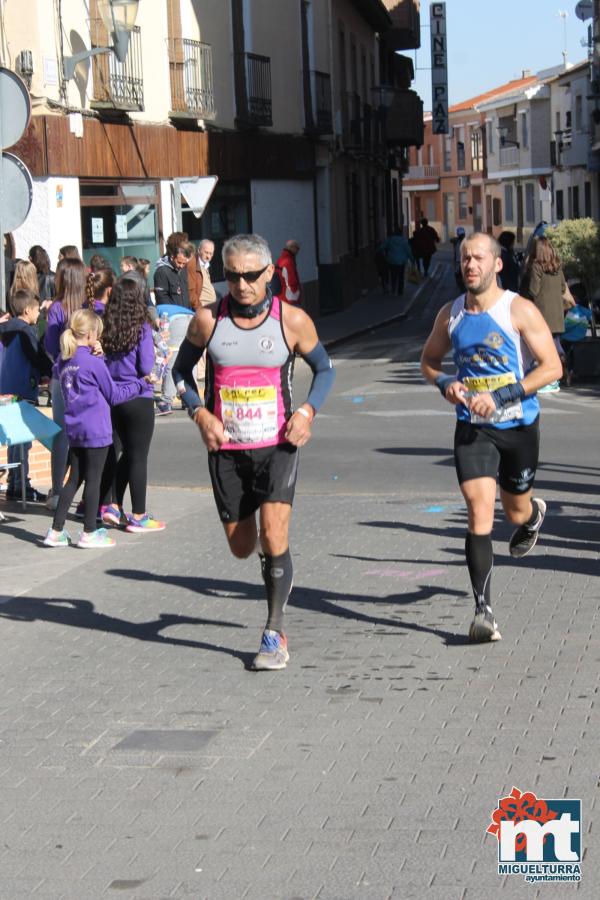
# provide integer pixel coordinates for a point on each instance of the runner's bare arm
(434, 351)
(302, 337)
(530, 323)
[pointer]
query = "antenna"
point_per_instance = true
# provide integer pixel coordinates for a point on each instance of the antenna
(563, 14)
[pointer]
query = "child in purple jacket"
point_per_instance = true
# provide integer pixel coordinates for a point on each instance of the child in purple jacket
(88, 392)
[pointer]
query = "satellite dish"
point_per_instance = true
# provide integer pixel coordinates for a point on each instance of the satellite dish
(17, 192)
(584, 10)
(15, 108)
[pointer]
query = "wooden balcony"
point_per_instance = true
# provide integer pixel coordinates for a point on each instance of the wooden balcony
(404, 120)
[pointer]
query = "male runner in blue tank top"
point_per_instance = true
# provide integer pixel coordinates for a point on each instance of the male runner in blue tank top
(503, 352)
(247, 419)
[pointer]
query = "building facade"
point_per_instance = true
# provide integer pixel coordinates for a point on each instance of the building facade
(278, 101)
(522, 153)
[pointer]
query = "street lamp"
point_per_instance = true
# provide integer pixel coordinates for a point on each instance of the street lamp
(118, 17)
(383, 95)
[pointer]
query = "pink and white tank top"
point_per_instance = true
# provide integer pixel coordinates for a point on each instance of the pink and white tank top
(249, 379)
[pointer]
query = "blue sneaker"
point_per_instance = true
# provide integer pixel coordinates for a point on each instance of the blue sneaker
(273, 652)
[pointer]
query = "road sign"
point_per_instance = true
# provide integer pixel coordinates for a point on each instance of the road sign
(15, 108)
(17, 192)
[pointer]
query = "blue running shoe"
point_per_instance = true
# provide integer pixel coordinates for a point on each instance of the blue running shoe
(273, 652)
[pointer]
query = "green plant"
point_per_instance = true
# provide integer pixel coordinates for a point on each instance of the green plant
(577, 242)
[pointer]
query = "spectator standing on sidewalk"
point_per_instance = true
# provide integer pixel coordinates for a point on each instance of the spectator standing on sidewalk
(22, 364)
(544, 282)
(425, 240)
(24, 279)
(194, 275)
(206, 251)
(286, 271)
(171, 292)
(45, 275)
(70, 296)
(510, 273)
(129, 348)
(397, 253)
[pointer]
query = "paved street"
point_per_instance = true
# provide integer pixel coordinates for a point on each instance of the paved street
(141, 759)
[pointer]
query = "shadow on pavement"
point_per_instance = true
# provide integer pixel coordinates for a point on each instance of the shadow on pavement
(82, 614)
(311, 600)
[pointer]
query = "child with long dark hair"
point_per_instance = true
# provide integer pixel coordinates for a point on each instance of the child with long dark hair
(129, 348)
(98, 287)
(88, 392)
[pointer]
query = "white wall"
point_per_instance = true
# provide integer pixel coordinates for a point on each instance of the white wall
(282, 210)
(52, 222)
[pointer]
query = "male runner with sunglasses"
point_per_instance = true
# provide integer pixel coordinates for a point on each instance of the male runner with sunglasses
(247, 419)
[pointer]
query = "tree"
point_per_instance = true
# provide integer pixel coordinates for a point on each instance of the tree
(577, 242)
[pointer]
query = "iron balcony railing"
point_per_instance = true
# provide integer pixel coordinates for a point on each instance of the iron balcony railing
(351, 120)
(192, 86)
(509, 156)
(119, 85)
(255, 100)
(320, 83)
(420, 172)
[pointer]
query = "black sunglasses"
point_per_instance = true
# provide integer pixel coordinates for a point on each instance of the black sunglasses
(249, 277)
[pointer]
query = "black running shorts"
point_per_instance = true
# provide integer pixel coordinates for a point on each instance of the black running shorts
(508, 454)
(244, 479)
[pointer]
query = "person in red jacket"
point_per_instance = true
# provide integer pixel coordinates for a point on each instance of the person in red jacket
(289, 286)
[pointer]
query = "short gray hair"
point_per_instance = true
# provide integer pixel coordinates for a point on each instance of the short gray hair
(204, 242)
(247, 243)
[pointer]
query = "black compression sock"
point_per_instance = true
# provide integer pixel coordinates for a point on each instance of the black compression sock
(480, 561)
(535, 511)
(277, 572)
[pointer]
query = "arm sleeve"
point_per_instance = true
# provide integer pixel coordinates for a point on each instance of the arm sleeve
(535, 281)
(145, 351)
(161, 286)
(35, 354)
(183, 374)
(115, 393)
(289, 293)
(323, 375)
(54, 330)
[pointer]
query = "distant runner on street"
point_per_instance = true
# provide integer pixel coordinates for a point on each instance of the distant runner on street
(247, 419)
(503, 352)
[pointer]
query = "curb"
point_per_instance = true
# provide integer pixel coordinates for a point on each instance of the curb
(375, 326)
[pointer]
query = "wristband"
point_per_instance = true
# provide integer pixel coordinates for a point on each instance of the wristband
(510, 393)
(443, 382)
(304, 413)
(192, 410)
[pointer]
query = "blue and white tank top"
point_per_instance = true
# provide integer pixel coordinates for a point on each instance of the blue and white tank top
(490, 353)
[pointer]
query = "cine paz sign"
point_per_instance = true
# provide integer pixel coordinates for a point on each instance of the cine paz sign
(439, 68)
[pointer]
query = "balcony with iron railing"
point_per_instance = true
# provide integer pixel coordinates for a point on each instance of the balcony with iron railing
(509, 157)
(423, 173)
(117, 85)
(352, 135)
(320, 104)
(192, 87)
(253, 89)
